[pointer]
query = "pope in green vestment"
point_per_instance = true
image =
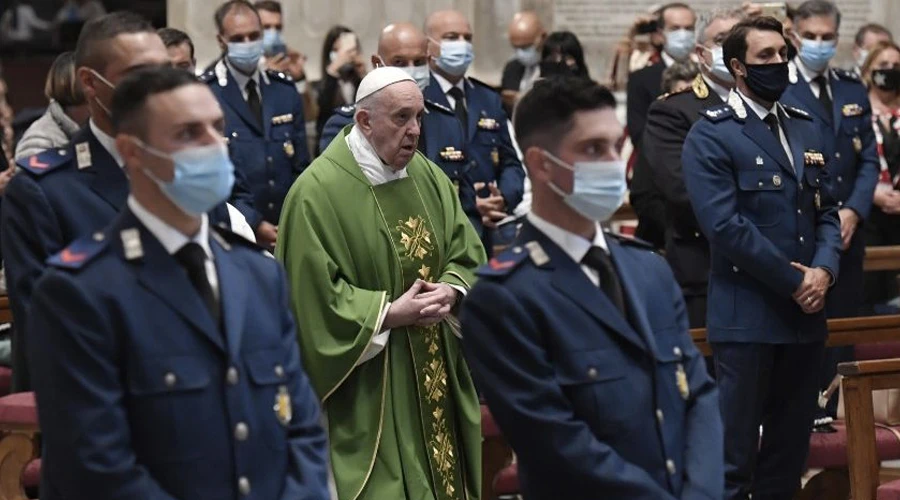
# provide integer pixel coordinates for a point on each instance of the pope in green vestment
(403, 423)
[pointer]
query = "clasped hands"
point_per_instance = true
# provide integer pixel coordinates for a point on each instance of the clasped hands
(493, 207)
(810, 295)
(424, 304)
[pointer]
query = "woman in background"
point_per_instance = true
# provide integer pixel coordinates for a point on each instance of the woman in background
(562, 54)
(65, 115)
(881, 74)
(342, 70)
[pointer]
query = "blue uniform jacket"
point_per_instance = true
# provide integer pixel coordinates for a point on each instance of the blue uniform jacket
(443, 143)
(488, 144)
(594, 405)
(759, 216)
(853, 167)
(52, 201)
(268, 159)
(143, 395)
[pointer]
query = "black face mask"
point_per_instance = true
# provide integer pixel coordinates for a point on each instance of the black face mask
(767, 81)
(886, 79)
(347, 71)
(560, 68)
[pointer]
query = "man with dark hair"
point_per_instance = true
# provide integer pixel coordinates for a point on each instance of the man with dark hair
(579, 339)
(71, 192)
(180, 48)
(676, 22)
(278, 56)
(160, 310)
(755, 171)
(264, 120)
(668, 122)
(840, 103)
(867, 37)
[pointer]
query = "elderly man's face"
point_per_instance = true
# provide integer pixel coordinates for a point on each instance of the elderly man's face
(393, 128)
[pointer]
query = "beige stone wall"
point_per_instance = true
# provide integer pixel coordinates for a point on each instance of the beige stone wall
(307, 21)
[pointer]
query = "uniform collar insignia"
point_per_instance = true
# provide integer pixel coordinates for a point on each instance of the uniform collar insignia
(699, 87)
(221, 72)
(737, 105)
(131, 243)
(792, 72)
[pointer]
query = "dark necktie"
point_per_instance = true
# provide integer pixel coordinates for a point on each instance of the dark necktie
(824, 98)
(193, 258)
(599, 260)
(254, 102)
(461, 112)
(772, 121)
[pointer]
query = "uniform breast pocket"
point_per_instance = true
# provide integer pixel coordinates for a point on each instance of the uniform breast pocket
(761, 197)
(594, 382)
(270, 377)
(169, 403)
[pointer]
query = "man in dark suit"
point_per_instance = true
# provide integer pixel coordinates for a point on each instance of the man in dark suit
(497, 174)
(840, 104)
(668, 123)
(756, 176)
(579, 340)
(264, 120)
(161, 343)
(676, 22)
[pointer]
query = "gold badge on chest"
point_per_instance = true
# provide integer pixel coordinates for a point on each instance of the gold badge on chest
(857, 144)
(289, 149)
(851, 110)
(282, 408)
(813, 158)
(451, 154)
(486, 123)
(681, 381)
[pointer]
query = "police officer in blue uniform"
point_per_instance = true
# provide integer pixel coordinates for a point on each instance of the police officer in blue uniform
(497, 175)
(578, 339)
(403, 45)
(166, 362)
(264, 120)
(839, 102)
(756, 175)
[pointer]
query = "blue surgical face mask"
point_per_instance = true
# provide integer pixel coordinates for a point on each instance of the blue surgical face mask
(598, 189)
(528, 56)
(245, 56)
(718, 67)
(679, 44)
(456, 56)
(203, 178)
(816, 54)
(271, 39)
(420, 74)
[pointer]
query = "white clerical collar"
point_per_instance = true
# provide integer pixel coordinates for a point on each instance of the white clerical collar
(446, 85)
(108, 143)
(371, 165)
(757, 108)
(170, 238)
(807, 73)
(720, 91)
(575, 246)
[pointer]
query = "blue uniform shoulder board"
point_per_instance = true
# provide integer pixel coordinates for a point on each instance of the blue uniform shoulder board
(46, 161)
(233, 238)
(479, 82)
(439, 107)
(630, 241)
(80, 252)
(797, 112)
(347, 110)
(504, 262)
(718, 113)
(280, 76)
(846, 75)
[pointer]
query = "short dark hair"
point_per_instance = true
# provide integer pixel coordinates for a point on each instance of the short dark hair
(735, 46)
(268, 6)
(661, 12)
(545, 112)
(815, 8)
(865, 29)
(226, 9)
(88, 50)
(132, 93)
(679, 72)
(172, 37)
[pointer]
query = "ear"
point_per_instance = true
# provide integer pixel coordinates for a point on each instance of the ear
(737, 68)
(223, 45)
(361, 118)
(537, 164)
(130, 152)
(376, 61)
(86, 79)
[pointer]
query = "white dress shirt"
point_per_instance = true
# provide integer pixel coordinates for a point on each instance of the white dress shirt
(377, 173)
(762, 112)
(242, 79)
(446, 86)
(720, 91)
(173, 240)
(107, 141)
(574, 245)
(809, 74)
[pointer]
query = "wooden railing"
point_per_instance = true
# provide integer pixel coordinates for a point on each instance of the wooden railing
(886, 258)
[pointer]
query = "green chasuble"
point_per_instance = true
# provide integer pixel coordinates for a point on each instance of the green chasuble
(406, 423)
